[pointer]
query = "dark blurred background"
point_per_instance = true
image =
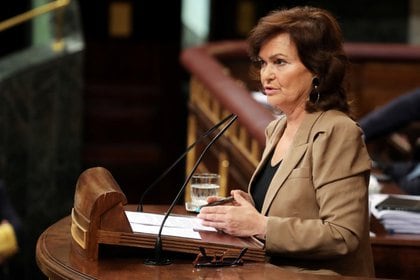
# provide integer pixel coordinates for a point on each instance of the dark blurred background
(111, 92)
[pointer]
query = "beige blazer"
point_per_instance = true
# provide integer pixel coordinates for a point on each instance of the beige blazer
(317, 202)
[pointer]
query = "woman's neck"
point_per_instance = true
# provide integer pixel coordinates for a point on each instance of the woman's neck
(293, 123)
(294, 119)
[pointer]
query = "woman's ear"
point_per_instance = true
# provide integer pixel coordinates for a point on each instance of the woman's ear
(315, 81)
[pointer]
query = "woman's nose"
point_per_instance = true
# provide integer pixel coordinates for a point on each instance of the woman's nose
(267, 73)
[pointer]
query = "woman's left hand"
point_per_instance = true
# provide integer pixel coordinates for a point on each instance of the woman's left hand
(239, 220)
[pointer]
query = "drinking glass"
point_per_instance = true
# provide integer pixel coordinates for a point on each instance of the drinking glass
(204, 185)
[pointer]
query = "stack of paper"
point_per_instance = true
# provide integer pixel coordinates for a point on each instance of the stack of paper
(182, 233)
(175, 225)
(397, 213)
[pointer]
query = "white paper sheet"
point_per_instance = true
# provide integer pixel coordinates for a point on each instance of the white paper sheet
(180, 226)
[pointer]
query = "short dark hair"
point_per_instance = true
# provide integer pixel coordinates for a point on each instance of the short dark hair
(319, 42)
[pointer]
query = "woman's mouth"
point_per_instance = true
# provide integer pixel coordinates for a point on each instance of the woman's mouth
(270, 91)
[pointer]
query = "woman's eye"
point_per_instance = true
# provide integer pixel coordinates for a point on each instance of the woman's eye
(279, 61)
(259, 63)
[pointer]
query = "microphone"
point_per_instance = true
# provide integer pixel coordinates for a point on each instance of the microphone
(205, 134)
(158, 259)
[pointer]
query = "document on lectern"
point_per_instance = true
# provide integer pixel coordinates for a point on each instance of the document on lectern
(175, 225)
(185, 233)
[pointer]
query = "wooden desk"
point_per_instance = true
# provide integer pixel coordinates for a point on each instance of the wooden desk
(56, 260)
(397, 256)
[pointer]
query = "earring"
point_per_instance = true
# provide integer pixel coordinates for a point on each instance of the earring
(315, 83)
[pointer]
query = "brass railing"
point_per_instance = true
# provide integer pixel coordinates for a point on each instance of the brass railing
(49, 7)
(238, 135)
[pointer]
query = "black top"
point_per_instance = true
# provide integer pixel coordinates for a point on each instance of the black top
(262, 181)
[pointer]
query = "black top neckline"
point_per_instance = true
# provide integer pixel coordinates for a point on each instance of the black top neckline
(262, 181)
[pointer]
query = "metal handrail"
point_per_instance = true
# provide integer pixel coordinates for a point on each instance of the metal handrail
(8, 23)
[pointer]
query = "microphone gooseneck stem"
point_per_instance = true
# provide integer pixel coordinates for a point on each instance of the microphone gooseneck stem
(208, 132)
(158, 245)
(193, 170)
(158, 251)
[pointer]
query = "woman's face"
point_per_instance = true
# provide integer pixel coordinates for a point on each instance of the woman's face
(286, 81)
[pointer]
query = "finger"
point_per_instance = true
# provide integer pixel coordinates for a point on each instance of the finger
(242, 194)
(217, 225)
(220, 209)
(240, 199)
(211, 199)
(216, 218)
(233, 192)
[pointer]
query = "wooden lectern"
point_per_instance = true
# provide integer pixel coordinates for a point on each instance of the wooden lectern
(98, 217)
(98, 212)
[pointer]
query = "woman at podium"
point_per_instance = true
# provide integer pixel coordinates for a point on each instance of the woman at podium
(308, 198)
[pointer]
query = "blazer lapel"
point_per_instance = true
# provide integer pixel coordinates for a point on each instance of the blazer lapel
(271, 144)
(290, 161)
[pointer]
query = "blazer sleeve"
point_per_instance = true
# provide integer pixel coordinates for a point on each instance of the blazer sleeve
(341, 177)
